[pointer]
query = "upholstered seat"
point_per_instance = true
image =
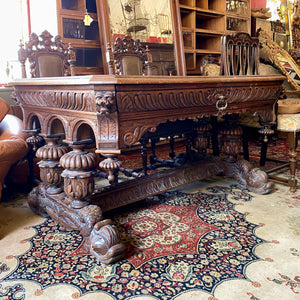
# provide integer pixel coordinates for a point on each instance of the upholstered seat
(288, 122)
(288, 109)
(13, 146)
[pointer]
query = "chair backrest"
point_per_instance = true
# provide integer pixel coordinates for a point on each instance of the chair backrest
(128, 57)
(47, 57)
(240, 54)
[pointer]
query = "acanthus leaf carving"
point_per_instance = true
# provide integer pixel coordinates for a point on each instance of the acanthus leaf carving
(150, 101)
(69, 99)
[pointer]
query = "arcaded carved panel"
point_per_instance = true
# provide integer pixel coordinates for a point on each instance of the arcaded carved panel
(108, 129)
(155, 100)
(67, 99)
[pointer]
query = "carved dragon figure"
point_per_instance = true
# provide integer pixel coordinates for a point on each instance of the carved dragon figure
(104, 242)
(254, 179)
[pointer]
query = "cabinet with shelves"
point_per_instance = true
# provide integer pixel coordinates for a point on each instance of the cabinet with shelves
(203, 22)
(84, 39)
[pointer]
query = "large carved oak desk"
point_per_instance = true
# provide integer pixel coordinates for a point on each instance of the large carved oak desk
(116, 113)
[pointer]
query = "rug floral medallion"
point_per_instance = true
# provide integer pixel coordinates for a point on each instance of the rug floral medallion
(179, 244)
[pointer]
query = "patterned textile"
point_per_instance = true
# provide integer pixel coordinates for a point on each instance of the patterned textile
(210, 240)
(288, 122)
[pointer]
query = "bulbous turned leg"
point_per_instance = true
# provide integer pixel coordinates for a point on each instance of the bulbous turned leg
(103, 241)
(266, 132)
(34, 141)
(202, 140)
(78, 177)
(50, 169)
(111, 165)
(293, 143)
(231, 145)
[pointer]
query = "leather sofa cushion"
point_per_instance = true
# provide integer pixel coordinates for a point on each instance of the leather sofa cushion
(4, 109)
(13, 146)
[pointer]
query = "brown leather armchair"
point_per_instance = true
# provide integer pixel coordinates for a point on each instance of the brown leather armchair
(13, 146)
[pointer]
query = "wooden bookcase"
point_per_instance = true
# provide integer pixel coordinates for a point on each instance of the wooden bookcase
(198, 24)
(85, 40)
(203, 22)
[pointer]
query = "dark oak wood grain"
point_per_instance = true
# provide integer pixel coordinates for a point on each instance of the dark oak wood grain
(114, 113)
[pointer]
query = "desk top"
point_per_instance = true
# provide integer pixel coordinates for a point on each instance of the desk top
(120, 109)
(111, 79)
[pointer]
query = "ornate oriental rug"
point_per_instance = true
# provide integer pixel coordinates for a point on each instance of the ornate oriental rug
(208, 240)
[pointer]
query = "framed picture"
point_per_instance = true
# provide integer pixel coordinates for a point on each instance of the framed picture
(282, 40)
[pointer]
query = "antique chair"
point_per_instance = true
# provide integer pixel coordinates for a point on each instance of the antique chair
(240, 54)
(13, 145)
(47, 57)
(288, 109)
(240, 57)
(128, 57)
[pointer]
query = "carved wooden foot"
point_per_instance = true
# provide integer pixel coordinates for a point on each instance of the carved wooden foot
(254, 179)
(71, 207)
(104, 242)
(101, 237)
(33, 200)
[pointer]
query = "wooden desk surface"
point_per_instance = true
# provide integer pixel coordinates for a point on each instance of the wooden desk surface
(121, 109)
(111, 79)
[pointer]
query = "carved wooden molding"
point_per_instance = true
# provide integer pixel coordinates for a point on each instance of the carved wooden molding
(136, 189)
(150, 101)
(62, 99)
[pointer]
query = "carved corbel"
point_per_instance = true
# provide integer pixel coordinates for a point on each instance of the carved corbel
(106, 102)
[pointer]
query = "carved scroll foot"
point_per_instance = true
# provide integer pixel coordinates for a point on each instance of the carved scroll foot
(34, 200)
(254, 179)
(104, 242)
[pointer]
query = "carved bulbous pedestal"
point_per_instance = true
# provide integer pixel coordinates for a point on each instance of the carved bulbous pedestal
(231, 142)
(111, 165)
(230, 145)
(50, 169)
(34, 141)
(201, 142)
(78, 175)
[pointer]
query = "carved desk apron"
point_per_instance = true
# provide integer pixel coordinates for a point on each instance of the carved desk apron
(120, 112)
